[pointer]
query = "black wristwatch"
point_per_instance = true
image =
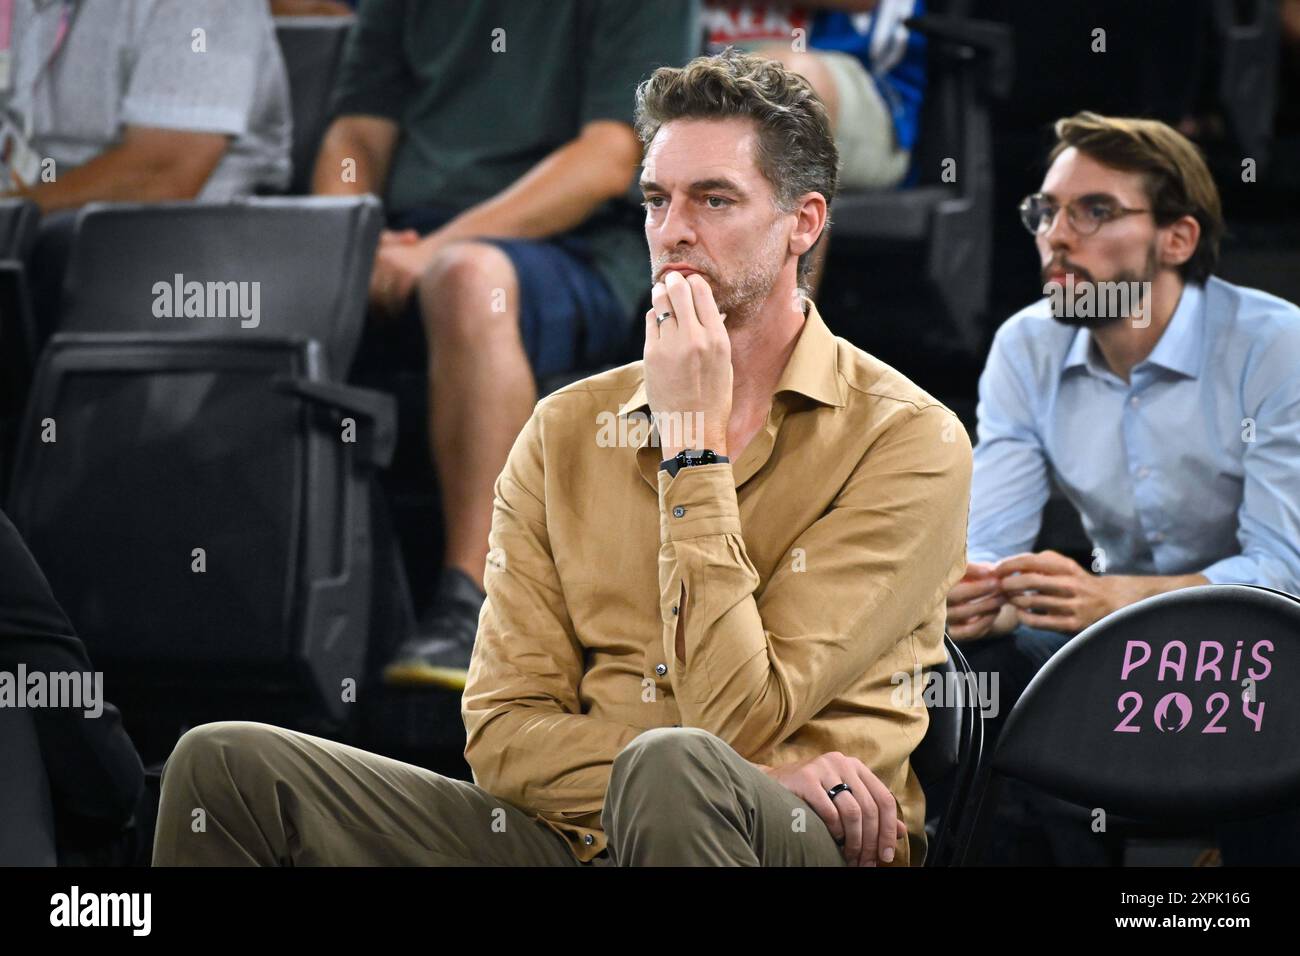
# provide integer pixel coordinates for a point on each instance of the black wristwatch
(690, 457)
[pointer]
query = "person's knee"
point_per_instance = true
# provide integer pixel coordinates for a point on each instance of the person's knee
(809, 65)
(1037, 646)
(469, 293)
(216, 752)
(658, 757)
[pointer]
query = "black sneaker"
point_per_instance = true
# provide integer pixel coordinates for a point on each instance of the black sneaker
(438, 654)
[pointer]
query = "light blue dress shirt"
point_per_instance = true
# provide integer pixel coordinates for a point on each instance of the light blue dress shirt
(1192, 466)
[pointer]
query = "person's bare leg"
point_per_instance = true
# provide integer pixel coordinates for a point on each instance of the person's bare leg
(811, 69)
(481, 388)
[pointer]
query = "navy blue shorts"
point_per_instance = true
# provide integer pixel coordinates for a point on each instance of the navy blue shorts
(569, 317)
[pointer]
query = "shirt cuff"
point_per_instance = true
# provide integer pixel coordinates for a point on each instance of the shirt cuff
(159, 114)
(699, 501)
(1237, 569)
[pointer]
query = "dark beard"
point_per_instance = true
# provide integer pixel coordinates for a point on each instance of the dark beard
(1097, 321)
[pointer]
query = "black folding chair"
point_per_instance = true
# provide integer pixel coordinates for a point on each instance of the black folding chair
(1178, 710)
(947, 222)
(948, 756)
(18, 221)
(196, 485)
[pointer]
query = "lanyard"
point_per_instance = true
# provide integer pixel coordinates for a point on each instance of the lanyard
(6, 43)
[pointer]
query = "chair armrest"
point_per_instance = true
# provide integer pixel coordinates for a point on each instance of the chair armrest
(376, 413)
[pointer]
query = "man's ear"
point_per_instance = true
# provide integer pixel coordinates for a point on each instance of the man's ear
(810, 221)
(1178, 241)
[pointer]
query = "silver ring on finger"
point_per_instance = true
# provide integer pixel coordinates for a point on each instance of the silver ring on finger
(664, 317)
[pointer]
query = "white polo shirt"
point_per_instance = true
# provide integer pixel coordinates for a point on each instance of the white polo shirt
(197, 65)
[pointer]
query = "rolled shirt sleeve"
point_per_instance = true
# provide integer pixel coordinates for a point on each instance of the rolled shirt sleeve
(874, 569)
(207, 82)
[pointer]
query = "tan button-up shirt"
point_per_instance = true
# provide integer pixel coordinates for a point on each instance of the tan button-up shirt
(816, 568)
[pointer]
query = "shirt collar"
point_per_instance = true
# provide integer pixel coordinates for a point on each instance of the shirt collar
(1178, 348)
(812, 370)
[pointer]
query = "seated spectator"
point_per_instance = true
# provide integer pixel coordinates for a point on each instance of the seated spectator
(505, 153)
(138, 102)
(1172, 426)
(691, 632)
(860, 58)
(132, 103)
(71, 774)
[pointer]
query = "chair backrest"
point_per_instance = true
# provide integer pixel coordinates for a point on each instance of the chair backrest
(940, 749)
(204, 528)
(268, 266)
(312, 48)
(18, 219)
(948, 755)
(1179, 708)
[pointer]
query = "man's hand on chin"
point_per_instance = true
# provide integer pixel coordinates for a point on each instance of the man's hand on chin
(688, 365)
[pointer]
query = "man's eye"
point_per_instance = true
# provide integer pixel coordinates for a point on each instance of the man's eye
(725, 202)
(650, 203)
(1100, 212)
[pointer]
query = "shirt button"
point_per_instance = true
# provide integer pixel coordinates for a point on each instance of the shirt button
(674, 608)
(1135, 401)
(678, 511)
(661, 669)
(1143, 471)
(589, 839)
(1157, 537)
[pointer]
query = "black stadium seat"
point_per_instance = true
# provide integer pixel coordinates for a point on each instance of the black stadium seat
(947, 224)
(312, 48)
(948, 756)
(18, 220)
(149, 437)
(1151, 715)
(310, 256)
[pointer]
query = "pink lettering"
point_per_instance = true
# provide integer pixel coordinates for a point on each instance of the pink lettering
(1131, 665)
(1202, 665)
(1166, 661)
(1268, 665)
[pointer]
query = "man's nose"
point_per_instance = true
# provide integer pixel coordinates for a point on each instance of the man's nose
(677, 227)
(1060, 234)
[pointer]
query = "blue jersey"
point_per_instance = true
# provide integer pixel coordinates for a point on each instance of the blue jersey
(890, 52)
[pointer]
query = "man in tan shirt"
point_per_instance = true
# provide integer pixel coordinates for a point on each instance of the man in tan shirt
(677, 662)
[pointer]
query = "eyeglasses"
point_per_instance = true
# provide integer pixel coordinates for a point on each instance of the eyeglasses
(1038, 213)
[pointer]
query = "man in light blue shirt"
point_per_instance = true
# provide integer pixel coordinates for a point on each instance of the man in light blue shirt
(1172, 425)
(1190, 465)
(1164, 402)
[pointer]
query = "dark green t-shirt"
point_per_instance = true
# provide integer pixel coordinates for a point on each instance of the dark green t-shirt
(474, 120)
